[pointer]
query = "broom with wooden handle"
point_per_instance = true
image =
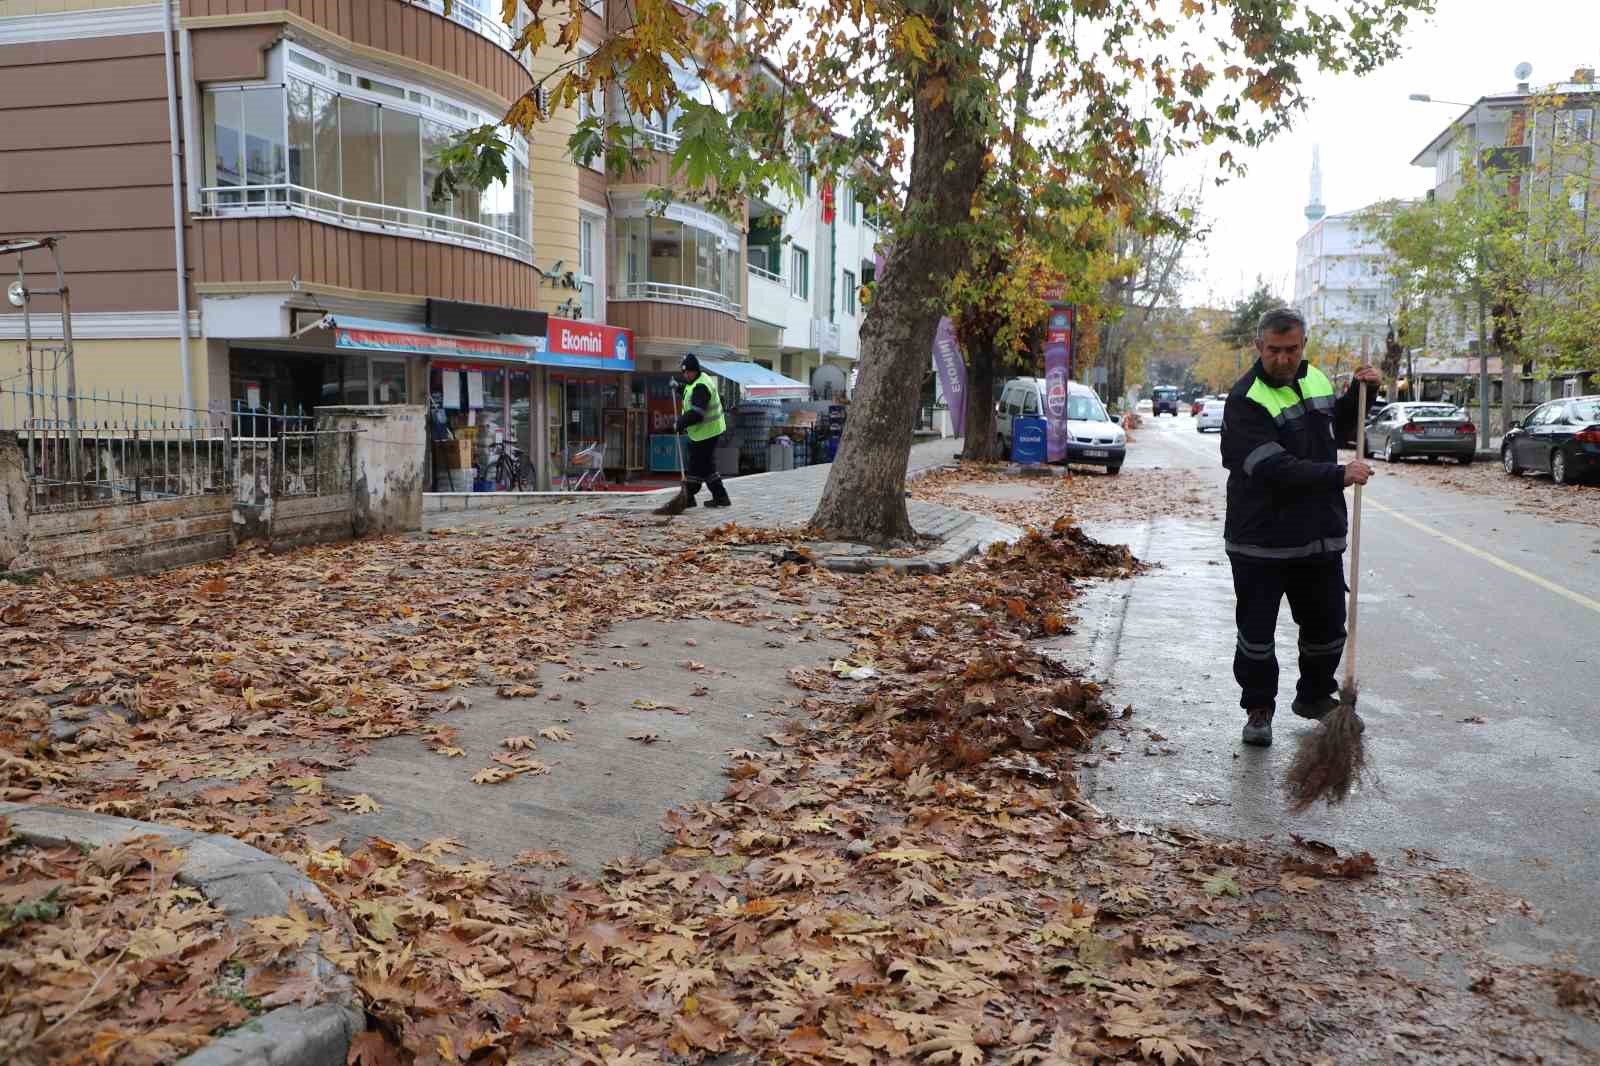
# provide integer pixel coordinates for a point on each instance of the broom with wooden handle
(680, 500)
(1332, 758)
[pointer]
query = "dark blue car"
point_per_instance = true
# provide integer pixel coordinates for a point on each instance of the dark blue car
(1561, 438)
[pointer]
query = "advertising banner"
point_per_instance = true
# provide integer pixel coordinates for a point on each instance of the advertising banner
(1057, 373)
(1028, 440)
(952, 373)
(586, 345)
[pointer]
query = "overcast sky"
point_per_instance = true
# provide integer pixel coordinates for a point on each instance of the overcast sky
(1369, 130)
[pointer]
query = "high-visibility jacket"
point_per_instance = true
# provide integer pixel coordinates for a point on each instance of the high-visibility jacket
(1285, 483)
(709, 407)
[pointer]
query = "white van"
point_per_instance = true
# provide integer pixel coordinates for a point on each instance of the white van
(1092, 437)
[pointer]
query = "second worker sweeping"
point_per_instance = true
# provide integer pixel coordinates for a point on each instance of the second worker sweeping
(702, 419)
(1287, 522)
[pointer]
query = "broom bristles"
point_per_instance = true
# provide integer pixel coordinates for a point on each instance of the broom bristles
(1331, 759)
(677, 505)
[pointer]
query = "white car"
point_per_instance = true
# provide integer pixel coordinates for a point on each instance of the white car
(1210, 416)
(1092, 437)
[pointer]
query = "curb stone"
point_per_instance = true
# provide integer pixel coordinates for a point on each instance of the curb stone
(243, 882)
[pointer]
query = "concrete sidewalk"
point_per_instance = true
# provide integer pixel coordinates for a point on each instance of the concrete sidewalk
(778, 500)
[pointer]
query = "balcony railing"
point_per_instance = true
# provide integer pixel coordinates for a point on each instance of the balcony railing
(660, 140)
(285, 199)
(769, 275)
(483, 23)
(661, 292)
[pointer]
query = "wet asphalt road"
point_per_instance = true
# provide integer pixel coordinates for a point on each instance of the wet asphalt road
(1466, 612)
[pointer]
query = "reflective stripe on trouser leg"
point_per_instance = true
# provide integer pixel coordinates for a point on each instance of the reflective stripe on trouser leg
(1259, 652)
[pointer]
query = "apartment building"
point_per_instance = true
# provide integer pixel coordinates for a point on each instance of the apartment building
(1543, 138)
(1341, 277)
(298, 256)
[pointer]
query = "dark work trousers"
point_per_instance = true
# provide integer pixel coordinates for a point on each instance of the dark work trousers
(703, 469)
(1316, 592)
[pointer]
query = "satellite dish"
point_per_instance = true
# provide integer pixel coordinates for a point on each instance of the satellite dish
(827, 382)
(17, 294)
(1523, 70)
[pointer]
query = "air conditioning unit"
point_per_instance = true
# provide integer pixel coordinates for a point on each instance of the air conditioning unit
(825, 336)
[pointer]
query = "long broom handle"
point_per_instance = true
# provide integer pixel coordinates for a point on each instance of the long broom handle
(1355, 538)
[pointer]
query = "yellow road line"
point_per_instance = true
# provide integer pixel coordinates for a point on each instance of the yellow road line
(1511, 568)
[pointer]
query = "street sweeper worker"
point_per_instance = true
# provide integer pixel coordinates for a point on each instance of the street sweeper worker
(1287, 524)
(703, 421)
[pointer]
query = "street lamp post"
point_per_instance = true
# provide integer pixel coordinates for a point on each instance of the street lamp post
(1483, 340)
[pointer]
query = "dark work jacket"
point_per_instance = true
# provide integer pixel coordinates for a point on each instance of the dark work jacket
(1285, 483)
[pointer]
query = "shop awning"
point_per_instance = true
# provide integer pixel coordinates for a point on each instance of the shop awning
(758, 382)
(378, 335)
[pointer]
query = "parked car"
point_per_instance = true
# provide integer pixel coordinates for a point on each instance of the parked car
(1092, 437)
(1209, 416)
(1195, 405)
(1400, 431)
(1164, 400)
(1561, 438)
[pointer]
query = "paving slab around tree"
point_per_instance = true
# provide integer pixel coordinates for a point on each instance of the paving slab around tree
(651, 711)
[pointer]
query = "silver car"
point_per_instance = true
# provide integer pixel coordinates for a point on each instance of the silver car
(1402, 431)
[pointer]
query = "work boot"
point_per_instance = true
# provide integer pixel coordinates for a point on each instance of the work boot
(1316, 709)
(719, 495)
(1258, 728)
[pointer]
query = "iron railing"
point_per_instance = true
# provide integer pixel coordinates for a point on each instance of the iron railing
(679, 294)
(92, 449)
(290, 453)
(483, 23)
(285, 198)
(763, 272)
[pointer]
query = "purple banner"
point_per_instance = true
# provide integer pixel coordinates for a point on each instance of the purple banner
(952, 373)
(1057, 374)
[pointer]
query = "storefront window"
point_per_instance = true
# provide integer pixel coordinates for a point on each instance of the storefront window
(353, 387)
(388, 381)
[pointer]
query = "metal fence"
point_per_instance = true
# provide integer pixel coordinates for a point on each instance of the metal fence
(290, 453)
(97, 449)
(91, 449)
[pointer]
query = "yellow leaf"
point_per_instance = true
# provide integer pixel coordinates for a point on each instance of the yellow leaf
(520, 744)
(305, 786)
(590, 1023)
(556, 732)
(361, 804)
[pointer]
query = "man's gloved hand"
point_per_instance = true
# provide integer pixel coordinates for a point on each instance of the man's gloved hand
(680, 423)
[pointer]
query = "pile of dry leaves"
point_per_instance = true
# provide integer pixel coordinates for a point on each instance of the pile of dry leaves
(103, 956)
(914, 879)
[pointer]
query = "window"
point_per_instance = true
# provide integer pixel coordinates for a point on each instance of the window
(800, 273)
(388, 381)
(847, 203)
(586, 267)
(805, 169)
(349, 148)
(670, 259)
(849, 293)
(1030, 403)
(1574, 125)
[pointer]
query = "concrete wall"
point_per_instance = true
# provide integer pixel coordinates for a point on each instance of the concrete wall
(371, 482)
(391, 446)
(100, 541)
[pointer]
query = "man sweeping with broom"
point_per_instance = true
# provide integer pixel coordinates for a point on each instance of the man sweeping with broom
(1286, 533)
(703, 420)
